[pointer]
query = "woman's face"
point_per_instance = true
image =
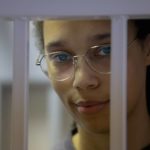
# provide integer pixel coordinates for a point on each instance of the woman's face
(86, 94)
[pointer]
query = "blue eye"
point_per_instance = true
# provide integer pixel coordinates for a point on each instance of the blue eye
(104, 50)
(60, 57)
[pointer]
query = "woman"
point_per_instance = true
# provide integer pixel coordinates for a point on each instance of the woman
(78, 64)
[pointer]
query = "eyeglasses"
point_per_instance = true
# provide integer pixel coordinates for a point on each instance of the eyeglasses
(61, 65)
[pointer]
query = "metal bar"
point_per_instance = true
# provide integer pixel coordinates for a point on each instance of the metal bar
(19, 120)
(67, 8)
(118, 111)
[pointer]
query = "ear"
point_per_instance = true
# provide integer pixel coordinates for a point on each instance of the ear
(147, 50)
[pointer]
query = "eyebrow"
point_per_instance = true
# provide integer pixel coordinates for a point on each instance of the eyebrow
(55, 44)
(100, 37)
(61, 43)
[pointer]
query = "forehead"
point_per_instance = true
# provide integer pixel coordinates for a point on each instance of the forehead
(64, 29)
(50, 25)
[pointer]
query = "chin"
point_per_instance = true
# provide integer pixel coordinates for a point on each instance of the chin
(96, 128)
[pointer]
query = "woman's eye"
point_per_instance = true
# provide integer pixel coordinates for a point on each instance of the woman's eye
(60, 57)
(104, 50)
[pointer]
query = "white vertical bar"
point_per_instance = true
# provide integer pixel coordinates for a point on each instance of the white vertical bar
(20, 86)
(118, 139)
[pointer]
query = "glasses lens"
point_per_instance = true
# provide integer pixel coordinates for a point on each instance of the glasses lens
(60, 65)
(98, 58)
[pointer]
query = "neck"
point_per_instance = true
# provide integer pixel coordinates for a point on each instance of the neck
(89, 141)
(138, 128)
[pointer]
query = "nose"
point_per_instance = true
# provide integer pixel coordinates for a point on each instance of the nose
(84, 77)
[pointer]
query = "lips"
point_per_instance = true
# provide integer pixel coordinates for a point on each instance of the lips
(90, 107)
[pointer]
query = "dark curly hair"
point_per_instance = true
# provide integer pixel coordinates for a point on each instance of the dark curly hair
(143, 30)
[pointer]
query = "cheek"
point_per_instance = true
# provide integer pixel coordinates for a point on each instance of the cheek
(65, 92)
(62, 88)
(136, 83)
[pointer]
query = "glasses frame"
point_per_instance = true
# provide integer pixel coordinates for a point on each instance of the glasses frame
(75, 61)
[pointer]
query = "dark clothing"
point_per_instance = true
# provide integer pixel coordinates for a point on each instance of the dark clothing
(147, 147)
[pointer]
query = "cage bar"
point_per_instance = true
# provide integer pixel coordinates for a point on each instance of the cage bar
(118, 131)
(20, 93)
(70, 8)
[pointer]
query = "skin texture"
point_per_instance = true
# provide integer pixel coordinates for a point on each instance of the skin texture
(87, 86)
